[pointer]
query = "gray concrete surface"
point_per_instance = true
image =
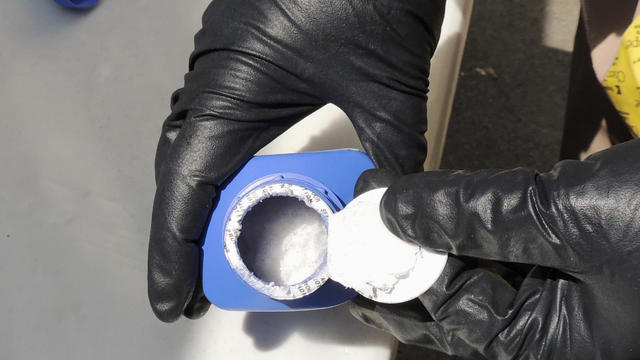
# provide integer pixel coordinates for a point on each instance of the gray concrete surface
(510, 101)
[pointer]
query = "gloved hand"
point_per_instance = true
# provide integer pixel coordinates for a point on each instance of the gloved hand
(578, 224)
(260, 66)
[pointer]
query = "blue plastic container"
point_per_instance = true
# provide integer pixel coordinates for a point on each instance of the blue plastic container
(77, 4)
(329, 175)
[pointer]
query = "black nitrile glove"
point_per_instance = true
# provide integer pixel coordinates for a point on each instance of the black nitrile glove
(578, 224)
(259, 67)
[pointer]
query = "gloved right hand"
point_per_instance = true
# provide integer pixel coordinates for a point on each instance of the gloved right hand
(578, 225)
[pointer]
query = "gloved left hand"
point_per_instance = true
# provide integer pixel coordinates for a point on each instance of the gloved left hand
(578, 227)
(259, 67)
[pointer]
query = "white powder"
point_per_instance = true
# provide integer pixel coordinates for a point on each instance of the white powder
(303, 251)
(282, 240)
(275, 238)
(364, 255)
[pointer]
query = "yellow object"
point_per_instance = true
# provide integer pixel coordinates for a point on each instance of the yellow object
(622, 82)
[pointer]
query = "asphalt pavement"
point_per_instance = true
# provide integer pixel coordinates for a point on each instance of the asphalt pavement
(511, 96)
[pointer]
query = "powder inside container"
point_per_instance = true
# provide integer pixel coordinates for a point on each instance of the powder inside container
(282, 240)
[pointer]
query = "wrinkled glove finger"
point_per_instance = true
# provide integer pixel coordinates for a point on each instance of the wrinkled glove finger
(242, 104)
(411, 324)
(171, 128)
(496, 319)
(385, 93)
(373, 179)
(391, 126)
(513, 215)
(205, 153)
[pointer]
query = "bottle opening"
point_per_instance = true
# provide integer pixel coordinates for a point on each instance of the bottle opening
(275, 239)
(282, 240)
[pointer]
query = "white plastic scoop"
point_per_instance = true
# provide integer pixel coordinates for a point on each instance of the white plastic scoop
(364, 255)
